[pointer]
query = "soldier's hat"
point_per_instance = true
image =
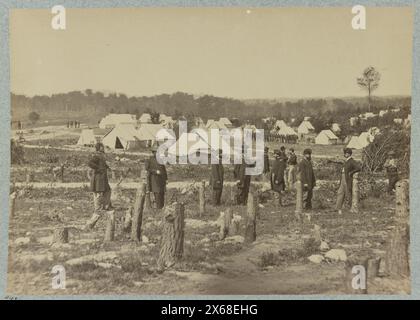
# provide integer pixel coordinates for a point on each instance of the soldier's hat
(348, 150)
(307, 151)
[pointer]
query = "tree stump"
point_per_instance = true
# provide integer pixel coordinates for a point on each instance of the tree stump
(62, 173)
(355, 198)
(110, 226)
(225, 223)
(172, 245)
(373, 268)
(397, 255)
(299, 199)
(128, 219)
(12, 201)
(235, 226)
(232, 195)
(138, 213)
(29, 177)
(61, 235)
(148, 201)
(202, 200)
(251, 220)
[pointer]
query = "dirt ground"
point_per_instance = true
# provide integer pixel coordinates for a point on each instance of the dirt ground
(276, 263)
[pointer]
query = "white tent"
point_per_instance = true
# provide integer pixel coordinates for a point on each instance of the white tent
(148, 132)
(215, 125)
(354, 143)
(122, 137)
(326, 137)
(166, 121)
(335, 127)
(364, 139)
(225, 121)
(145, 118)
(89, 137)
(280, 124)
(286, 131)
(305, 127)
(114, 119)
(199, 141)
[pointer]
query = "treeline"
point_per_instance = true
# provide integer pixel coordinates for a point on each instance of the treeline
(94, 105)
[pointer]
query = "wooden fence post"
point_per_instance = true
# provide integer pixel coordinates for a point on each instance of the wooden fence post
(397, 256)
(110, 226)
(62, 173)
(61, 235)
(202, 200)
(138, 213)
(225, 223)
(299, 199)
(251, 220)
(172, 247)
(355, 194)
(12, 201)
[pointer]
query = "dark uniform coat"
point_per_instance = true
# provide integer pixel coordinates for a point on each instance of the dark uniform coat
(156, 175)
(306, 173)
(99, 177)
(217, 175)
(244, 182)
(350, 167)
(277, 175)
(266, 163)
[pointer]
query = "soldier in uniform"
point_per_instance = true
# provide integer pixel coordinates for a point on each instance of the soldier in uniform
(156, 179)
(216, 179)
(350, 167)
(291, 173)
(98, 176)
(243, 181)
(305, 173)
(266, 161)
(391, 171)
(277, 174)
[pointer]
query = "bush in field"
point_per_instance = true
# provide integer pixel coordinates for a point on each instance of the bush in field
(16, 152)
(376, 153)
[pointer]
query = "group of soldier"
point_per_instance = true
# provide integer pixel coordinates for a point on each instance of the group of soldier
(282, 174)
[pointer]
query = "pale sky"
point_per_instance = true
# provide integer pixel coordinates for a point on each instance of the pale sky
(232, 52)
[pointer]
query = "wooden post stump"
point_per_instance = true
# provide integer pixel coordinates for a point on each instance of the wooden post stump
(251, 220)
(373, 268)
(61, 235)
(225, 223)
(172, 245)
(29, 177)
(128, 219)
(138, 213)
(355, 194)
(148, 201)
(397, 255)
(235, 226)
(110, 226)
(62, 173)
(12, 201)
(202, 199)
(299, 199)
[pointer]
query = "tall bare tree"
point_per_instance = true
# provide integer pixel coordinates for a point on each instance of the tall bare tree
(369, 81)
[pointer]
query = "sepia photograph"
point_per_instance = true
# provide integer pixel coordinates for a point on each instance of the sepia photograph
(210, 151)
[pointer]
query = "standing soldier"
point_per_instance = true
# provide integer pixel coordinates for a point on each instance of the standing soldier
(156, 179)
(291, 173)
(243, 181)
(98, 175)
(266, 161)
(391, 170)
(350, 167)
(305, 173)
(277, 174)
(216, 179)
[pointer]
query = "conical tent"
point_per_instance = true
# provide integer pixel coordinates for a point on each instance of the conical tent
(122, 137)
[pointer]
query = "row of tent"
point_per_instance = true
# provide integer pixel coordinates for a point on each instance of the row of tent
(123, 136)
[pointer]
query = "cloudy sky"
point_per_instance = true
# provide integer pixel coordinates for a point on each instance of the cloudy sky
(234, 52)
